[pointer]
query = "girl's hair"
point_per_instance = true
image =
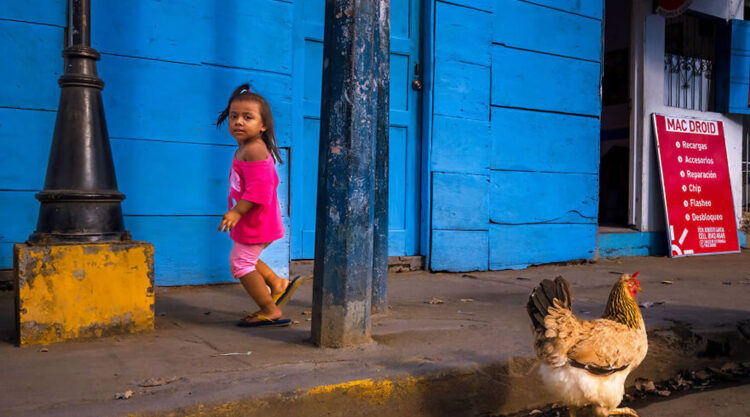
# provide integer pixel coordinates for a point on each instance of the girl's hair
(243, 93)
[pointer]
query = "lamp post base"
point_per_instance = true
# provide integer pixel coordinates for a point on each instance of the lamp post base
(83, 290)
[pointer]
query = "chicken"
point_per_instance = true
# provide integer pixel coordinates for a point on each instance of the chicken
(586, 362)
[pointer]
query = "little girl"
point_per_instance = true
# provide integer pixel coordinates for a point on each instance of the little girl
(254, 216)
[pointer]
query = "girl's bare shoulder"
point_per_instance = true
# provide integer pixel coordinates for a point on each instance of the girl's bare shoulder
(254, 151)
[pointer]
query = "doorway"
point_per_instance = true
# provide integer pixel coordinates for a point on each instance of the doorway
(614, 168)
(404, 132)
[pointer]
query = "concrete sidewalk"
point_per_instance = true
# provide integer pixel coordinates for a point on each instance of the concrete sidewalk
(468, 356)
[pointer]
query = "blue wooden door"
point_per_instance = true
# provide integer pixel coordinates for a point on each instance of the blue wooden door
(404, 127)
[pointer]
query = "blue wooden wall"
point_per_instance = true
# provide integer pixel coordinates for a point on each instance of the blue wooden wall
(511, 122)
(28, 101)
(460, 144)
(633, 244)
(514, 150)
(169, 67)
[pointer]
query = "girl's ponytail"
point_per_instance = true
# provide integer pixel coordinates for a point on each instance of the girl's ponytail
(244, 88)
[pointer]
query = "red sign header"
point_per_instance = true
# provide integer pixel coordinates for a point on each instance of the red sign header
(696, 187)
(701, 127)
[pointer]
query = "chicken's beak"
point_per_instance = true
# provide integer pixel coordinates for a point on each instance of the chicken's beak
(637, 282)
(638, 286)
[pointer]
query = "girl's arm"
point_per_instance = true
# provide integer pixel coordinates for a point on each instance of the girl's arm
(232, 216)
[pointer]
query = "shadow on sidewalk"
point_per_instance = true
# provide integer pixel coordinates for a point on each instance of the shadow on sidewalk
(8, 333)
(212, 315)
(204, 314)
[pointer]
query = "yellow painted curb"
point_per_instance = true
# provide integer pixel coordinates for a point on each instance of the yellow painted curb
(400, 395)
(368, 390)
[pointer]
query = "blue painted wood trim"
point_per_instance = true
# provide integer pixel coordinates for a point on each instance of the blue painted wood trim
(742, 237)
(296, 157)
(29, 79)
(632, 244)
(590, 8)
(277, 255)
(487, 6)
(457, 24)
(428, 95)
(226, 33)
(461, 145)
(175, 248)
(461, 90)
(45, 12)
(460, 250)
(156, 180)
(25, 138)
(19, 210)
(518, 246)
(612, 245)
(532, 80)
(739, 68)
(532, 27)
(6, 255)
(524, 140)
(461, 201)
(135, 89)
(518, 197)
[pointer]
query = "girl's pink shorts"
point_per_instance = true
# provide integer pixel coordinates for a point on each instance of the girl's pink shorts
(242, 258)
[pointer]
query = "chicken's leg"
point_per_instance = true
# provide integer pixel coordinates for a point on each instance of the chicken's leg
(572, 411)
(624, 411)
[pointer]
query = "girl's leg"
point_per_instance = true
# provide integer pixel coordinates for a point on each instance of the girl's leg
(276, 284)
(243, 260)
(255, 286)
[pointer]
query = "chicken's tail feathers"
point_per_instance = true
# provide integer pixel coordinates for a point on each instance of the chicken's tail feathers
(542, 298)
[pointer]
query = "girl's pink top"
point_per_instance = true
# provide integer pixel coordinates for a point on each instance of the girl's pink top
(256, 181)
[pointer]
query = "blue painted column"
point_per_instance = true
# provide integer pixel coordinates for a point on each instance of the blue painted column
(382, 110)
(342, 285)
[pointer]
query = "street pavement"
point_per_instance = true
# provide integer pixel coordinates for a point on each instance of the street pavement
(726, 402)
(450, 345)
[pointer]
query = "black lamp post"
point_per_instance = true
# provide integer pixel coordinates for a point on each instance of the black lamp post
(80, 201)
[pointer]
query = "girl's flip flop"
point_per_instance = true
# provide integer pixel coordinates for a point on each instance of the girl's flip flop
(290, 289)
(263, 321)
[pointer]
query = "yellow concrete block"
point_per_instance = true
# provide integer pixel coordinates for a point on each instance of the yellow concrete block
(78, 291)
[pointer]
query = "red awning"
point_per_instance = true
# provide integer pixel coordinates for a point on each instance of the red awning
(672, 8)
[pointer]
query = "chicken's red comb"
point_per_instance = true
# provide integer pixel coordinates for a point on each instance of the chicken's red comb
(636, 274)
